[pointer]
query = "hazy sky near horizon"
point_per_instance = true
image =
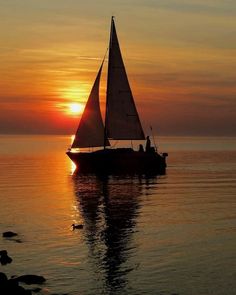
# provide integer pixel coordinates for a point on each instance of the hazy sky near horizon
(180, 56)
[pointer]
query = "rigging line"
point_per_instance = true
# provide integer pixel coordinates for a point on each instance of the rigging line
(105, 55)
(153, 138)
(105, 131)
(106, 106)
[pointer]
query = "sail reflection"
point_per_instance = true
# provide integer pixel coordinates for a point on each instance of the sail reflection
(109, 207)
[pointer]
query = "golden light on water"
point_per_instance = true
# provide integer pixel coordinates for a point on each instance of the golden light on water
(73, 168)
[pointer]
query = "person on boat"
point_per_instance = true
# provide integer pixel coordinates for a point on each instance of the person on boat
(141, 149)
(148, 145)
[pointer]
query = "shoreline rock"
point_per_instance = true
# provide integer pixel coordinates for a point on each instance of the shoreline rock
(30, 279)
(9, 234)
(4, 258)
(11, 286)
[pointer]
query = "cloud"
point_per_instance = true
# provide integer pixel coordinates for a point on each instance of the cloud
(209, 7)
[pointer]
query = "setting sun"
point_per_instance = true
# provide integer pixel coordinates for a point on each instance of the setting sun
(76, 108)
(71, 108)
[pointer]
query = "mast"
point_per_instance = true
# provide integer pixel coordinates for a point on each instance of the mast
(108, 75)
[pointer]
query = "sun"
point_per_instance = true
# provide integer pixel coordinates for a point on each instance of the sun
(75, 108)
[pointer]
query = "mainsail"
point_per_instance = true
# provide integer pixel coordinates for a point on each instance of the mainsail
(122, 120)
(90, 132)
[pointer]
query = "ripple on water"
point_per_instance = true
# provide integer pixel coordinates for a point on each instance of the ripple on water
(160, 235)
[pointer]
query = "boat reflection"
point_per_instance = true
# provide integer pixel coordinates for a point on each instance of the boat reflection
(109, 207)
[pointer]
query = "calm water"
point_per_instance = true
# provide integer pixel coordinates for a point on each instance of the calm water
(163, 235)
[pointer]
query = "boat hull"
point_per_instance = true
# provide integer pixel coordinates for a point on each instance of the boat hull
(119, 161)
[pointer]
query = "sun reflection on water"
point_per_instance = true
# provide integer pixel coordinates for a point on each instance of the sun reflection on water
(73, 168)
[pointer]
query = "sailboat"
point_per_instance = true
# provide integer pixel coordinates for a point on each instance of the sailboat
(121, 123)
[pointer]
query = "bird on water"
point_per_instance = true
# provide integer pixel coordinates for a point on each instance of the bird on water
(77, 226)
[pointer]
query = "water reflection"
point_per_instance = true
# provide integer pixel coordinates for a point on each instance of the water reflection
(109, 207)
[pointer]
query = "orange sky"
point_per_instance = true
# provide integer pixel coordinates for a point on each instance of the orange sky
(180, 57)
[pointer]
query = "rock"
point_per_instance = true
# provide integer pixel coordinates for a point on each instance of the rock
(3, 252)
(4, 258)
(31, 279)
(14, 289)
(17, 240)
(9, 234)
(12, 284)
(21, 291)
(36, 290)
(11, 287)
(3, 278)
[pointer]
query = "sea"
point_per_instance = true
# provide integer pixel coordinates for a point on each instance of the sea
(162, 235)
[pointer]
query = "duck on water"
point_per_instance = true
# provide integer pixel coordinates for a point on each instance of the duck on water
(77, 226)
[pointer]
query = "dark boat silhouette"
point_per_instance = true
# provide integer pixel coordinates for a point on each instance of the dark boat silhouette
(121, 123)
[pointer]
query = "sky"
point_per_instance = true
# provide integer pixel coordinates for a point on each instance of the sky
(180, 56)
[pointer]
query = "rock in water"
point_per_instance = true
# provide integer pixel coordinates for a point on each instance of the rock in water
(31, 279)
(4, 258)
(11, 287)
(3, 278)
(36, 290)
(9, 234)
